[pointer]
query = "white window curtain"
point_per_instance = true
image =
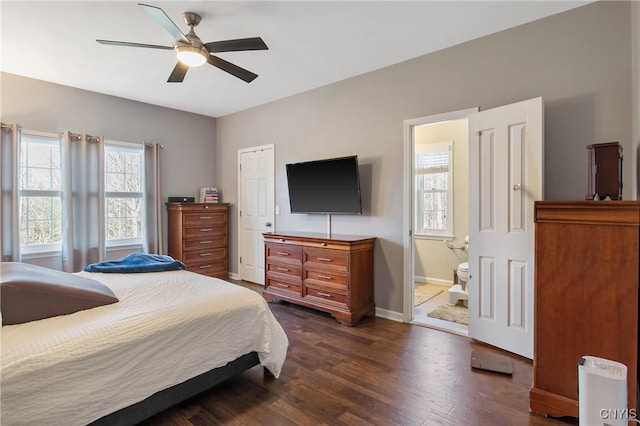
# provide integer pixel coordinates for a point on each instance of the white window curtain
(83, 240)
(153, 199)
(9, 230)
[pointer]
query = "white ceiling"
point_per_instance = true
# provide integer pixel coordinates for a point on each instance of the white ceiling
(311, 44)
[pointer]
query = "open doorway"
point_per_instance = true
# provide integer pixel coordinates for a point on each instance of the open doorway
(436, 170)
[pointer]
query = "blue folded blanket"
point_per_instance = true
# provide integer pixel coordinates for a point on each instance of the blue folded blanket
(137, 262)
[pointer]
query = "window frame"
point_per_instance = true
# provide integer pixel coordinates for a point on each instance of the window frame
(125, 243)
(29, 250)
(420, 231)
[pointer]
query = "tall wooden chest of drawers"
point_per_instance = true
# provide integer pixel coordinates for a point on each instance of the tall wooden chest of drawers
(334, 275)
(586, 297)
(198, 236)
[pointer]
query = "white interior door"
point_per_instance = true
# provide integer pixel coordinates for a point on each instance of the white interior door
(256, 208)
(505, 178)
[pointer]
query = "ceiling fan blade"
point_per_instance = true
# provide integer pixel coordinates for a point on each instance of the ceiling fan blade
(232, 69)
(128, 44)
(163, 19)
(178, 73)
(253, 43)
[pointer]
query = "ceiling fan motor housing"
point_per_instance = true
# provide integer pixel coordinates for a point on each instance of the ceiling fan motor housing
(191, 18)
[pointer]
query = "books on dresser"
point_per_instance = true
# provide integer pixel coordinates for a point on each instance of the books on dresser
(209, 195)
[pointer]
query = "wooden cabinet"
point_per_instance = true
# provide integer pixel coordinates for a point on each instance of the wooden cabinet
(586, 296)
(198, 236)
(334, 275)
(605, 171)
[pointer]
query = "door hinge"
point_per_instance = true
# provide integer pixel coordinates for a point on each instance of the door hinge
(240, 259)
(410, 232)
(240, 165)
(240, 213)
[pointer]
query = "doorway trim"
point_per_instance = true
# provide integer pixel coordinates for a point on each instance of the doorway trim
(408, 202)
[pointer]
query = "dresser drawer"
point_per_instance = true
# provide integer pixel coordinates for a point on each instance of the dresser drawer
(268, 238)
(325, 258)
(322, 277)
(204, 232)
(283, 286)
(204, 255)
(326, 245)
(204, 218)
(208, 267)
(326, 295)
(204, 244)
(282, 269)
(283, 253)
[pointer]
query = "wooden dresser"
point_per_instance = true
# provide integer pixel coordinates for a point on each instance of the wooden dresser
(586, 296)
(198, 236)
(334, 275)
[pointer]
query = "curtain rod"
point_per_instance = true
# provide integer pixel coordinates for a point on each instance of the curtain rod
(90, 139)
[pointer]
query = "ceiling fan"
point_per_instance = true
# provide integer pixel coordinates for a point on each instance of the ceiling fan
(191, 51)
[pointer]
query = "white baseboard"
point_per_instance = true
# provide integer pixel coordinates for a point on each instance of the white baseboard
(234, 276)
(435, 281)
(390, 315)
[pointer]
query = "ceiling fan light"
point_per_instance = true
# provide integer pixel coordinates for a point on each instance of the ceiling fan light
(191, 56)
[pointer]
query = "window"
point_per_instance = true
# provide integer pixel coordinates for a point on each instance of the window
(434, 189)
(124, 196)
(39, 190)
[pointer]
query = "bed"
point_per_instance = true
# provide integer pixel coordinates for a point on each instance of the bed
(170, 336)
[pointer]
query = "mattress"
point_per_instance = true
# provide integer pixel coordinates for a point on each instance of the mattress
(167, 327)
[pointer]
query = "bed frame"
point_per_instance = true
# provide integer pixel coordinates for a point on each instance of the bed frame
(169, 397)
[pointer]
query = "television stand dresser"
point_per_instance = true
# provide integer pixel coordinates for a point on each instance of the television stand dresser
(331, 274)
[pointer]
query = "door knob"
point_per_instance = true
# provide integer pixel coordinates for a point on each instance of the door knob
(268, 224)
(517, 187)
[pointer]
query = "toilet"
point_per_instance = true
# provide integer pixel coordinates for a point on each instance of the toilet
(460, 291)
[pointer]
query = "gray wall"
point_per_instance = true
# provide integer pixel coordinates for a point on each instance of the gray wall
(578, 61)
(189, 140)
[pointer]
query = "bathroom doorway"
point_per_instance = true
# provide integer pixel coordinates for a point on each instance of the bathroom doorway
(436, 166)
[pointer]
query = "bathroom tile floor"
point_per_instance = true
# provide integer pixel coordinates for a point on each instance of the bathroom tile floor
(420, 315)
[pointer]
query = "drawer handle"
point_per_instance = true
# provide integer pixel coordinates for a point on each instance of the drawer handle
(324, 259)
(323, 244)
(205, 267)
(325, 277)
(324, 294)
(206, 217)
(205, 254)
(282, 253)
(282, 269)
(282, 285)
(206, 242)
(283, 240)
(206, 229)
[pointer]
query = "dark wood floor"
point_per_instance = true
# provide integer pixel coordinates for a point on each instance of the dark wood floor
(380, 372)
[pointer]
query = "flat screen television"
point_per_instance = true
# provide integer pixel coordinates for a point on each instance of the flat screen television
(330, 186)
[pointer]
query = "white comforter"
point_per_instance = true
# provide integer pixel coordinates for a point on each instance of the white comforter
(166, 328)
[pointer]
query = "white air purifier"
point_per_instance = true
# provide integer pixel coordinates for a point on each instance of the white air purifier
(602, 392)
